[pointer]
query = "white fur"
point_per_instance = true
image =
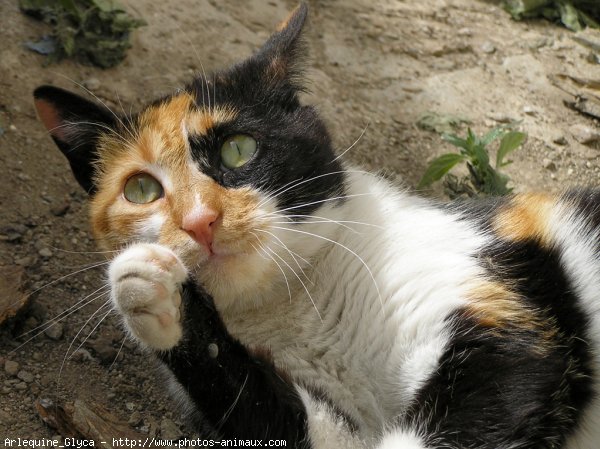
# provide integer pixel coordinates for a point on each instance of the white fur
(145, 281)
(578, 244)
(387, 312)
(365, 316)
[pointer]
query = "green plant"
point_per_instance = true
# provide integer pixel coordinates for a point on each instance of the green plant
(483, 178)
(93, 31)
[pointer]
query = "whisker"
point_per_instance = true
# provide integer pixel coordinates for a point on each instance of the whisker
(272, 196)
(281, 269)
(341, 197)
(118, 352)
(63, 277)
(352, 146)
(344, 247)
(230, 409)
(62, 365)
(329, 220)
(54, 321)
(101, 102)
(284, 246)
(303, 285)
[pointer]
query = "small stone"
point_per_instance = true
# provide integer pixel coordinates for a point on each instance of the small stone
(130, 406)
(26, 261)
(548, 164)
(501, 118)
(584, 134)
(21, 386)
(570, 172)
(465, 32)
(47, 379)
(5, 390)
(6, 418)
(45, 253)
(92, 83)
(488, 48)
(55, 332)
(25, 376)
(135, 419)
(82, 355)
(529, 110)
(169, 430)
(104, 350)
(11, 368)
(213, 351)
(559, 139)
(60, 209)
(13, 232)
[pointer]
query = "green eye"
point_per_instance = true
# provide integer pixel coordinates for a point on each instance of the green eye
(142, 188)
(237, 151)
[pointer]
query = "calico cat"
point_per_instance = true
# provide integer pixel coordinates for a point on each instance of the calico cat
(293, 297)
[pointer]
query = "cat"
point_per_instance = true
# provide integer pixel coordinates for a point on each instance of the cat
(293, 297)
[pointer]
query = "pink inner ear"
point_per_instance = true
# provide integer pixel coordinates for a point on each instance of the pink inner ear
(49, 116)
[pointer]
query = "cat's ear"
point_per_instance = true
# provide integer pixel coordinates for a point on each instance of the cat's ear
(283, 53)
(74, 124)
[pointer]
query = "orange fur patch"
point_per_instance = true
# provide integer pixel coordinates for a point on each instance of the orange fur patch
(526, 217)
(496, 307)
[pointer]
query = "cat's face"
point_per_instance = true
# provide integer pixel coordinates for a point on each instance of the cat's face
(211, 171)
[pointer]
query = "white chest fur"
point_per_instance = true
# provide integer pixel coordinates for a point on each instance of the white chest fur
(383, 295)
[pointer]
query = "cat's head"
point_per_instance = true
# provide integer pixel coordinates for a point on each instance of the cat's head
(212, 171)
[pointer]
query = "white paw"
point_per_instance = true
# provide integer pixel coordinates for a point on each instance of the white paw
(145, 285)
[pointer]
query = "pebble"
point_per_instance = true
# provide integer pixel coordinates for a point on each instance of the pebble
(584, 134)
(21, 386)
(559, 139)
(529, 110)
(5, 390)
(13, 232)
(488, 48)
(60, 209)
(501, 118)
(11, 368)
(104, 350)
(130, 406)
(169, 430)
(135, 419)
(82, 355)
(55, 332)
(213, 351)
(26, 261)
(45, 253)
(92, 83)
(6, 418)
(25, 376)
(465, 32)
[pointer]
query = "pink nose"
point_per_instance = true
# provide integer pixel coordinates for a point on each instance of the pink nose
(199, 225)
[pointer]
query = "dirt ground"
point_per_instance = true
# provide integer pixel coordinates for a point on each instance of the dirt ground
(381, 63)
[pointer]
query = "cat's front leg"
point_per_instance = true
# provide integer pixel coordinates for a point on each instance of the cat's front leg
(238, 394)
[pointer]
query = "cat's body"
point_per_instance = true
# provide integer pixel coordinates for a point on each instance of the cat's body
(291, 297)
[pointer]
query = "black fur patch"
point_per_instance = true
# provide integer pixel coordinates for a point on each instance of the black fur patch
(522, 388)
(85, 122)
(237, 395)
(293, 143)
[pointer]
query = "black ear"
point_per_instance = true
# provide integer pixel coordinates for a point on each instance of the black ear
(74, 124)
(283, 53)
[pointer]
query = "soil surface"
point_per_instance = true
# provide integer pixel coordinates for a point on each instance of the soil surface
(379, 64)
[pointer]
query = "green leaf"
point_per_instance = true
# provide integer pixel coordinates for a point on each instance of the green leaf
(510, 142)
(492, 135)
(455, 140)
(439, 167)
